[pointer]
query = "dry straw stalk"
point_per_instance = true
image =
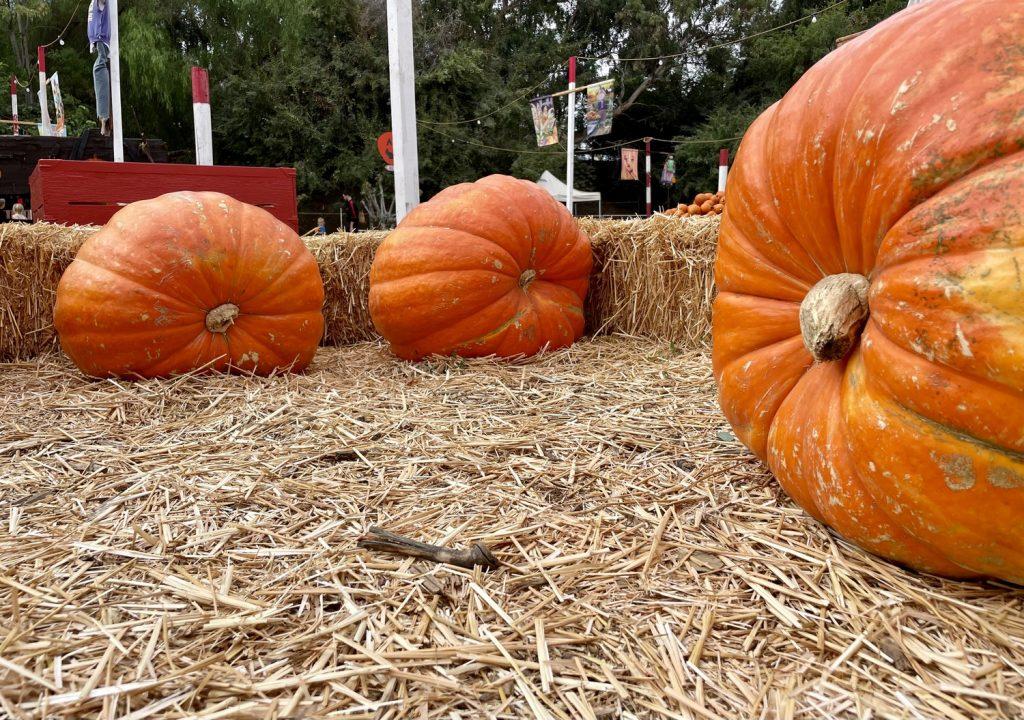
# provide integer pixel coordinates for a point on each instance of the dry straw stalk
(651, 278)
(188, 548)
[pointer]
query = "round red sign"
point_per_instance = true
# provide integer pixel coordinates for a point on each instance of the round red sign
(386, 148)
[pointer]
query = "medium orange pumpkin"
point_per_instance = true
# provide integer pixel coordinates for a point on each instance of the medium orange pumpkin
(495, 267)
(190, 281)
(869, 340)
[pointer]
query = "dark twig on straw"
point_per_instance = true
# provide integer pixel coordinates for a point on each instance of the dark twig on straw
(384, 541)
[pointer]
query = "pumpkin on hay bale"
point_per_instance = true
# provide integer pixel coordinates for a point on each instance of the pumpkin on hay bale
(869, 340)
(703, 204)
(495, 267)
(190, 281)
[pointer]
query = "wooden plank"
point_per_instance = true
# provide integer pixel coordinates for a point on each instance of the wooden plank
(90, 192)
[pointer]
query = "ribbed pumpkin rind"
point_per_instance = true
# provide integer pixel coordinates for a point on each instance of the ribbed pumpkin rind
(133, 302)
(455, 276)
(899, 157)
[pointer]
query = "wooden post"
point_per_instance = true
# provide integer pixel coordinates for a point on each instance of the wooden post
(115, 83)
(723, 168)
(570, 123)
(14, 105)
(403, 107)
(201, 116)
(647, 162)
(44, 109)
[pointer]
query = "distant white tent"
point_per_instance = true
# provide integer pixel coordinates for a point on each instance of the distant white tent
(558, 191)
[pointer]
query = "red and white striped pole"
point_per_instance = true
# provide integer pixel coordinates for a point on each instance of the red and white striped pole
(723, 168)
(44, 110)
(201, 116)
(14, 105)
(648, 164)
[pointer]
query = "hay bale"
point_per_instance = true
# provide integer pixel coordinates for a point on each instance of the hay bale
(32, 259)
(652, 278)
(345, 260)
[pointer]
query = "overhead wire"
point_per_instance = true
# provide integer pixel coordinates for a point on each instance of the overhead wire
(672, 56)
(579, 151)
(492, 147)
(428, 123)
(507, 105)
(60, 36)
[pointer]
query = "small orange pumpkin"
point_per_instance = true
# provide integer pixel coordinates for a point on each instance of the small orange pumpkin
(186, 281)
(495, 267)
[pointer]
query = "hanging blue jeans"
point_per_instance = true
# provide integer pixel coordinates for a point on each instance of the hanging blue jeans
(101, 80)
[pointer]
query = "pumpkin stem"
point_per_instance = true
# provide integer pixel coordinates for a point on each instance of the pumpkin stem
(221, 318)
(527, 277)
(833, 314)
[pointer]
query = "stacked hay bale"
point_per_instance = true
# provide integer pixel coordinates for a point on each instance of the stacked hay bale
(345, 260)
(32, 259)
(652, 277)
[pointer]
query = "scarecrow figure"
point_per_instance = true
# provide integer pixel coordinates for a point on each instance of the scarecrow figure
(99, 42)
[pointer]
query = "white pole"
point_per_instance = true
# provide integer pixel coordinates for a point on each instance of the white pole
(44, 109)
(570, 121)
(723, 168)
(201, 116)
(403, 107)
(14, 105)
(647, 177)
(115, 83)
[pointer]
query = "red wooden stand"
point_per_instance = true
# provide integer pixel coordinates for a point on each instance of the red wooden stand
(87, 192)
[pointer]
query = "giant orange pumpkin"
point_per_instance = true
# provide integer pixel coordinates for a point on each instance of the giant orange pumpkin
(495, 267)
(190, 281)
(869, 329)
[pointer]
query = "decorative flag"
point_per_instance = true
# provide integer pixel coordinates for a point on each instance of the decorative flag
(45, 128)
(600, 100)
(59, 129)
(545, 124)
(629, 163)
(668, 173)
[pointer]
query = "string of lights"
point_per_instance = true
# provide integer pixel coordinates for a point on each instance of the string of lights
(582, 151)
(507, 105)
(60, 36)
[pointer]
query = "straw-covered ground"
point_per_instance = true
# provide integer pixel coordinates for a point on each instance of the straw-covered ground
(187, 548)
(652, 277)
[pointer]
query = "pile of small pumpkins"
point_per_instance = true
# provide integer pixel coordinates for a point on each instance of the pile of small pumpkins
(705, 203)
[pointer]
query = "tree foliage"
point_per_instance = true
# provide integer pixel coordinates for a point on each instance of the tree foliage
(304, 83)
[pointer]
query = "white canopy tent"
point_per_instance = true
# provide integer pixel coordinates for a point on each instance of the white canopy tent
(558, 191)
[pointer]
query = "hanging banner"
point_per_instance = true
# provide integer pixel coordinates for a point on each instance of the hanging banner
(545, 124)
(668, 173)
(600, 100)
(45, 129)
(59, 129)
(629, 163)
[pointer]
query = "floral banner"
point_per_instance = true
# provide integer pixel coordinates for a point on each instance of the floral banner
(600, 101)
(545, 123)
